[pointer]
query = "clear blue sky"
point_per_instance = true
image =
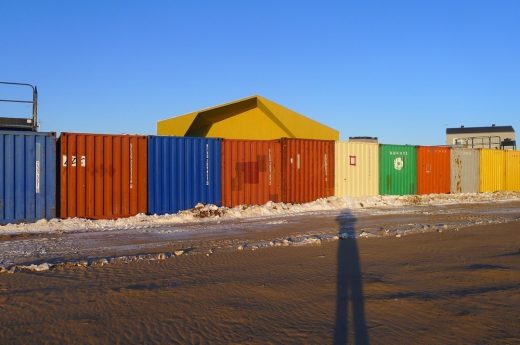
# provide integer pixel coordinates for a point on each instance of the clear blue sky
(399, 70)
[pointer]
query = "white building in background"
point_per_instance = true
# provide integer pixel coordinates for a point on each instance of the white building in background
(496, 137)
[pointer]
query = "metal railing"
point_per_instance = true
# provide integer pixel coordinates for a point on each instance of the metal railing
(34, 101)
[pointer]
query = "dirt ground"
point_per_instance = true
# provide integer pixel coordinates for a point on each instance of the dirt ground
(450, 287)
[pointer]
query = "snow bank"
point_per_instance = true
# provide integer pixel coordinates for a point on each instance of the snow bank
(206, 213)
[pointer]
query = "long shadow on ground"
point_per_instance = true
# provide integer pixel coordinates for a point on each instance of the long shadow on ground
(349, 286)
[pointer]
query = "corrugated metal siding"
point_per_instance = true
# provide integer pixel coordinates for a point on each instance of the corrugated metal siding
(182, 172)
(513, 171)
(27, 176)
(492, 170)
(307, 169)
(251, 172)
(397, 170)
(465, 170)
(356, 169)
(433, 170)
(102, 176)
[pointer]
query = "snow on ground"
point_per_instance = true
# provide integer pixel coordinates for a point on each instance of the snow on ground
(205, 213)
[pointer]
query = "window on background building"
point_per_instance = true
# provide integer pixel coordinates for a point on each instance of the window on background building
(458, 141)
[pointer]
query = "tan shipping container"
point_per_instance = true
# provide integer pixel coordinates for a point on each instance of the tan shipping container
(492, 170)
(465, 170)
(513, 171)
(102, 176)
(356, 169)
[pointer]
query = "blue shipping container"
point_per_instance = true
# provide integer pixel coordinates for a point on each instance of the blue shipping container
(27, 176)
(183, 172)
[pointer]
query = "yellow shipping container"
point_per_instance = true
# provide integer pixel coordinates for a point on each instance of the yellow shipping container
(513, 171)
(492, 170)
(357, 169)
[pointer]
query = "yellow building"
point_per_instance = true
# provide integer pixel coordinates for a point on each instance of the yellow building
(254, 118)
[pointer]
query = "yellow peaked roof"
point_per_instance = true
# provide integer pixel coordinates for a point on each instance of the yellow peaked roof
(249, 118)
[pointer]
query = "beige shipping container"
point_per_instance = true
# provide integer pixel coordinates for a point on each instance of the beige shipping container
(465, 170)
(357, 169)
(492, 170)
(513, 171)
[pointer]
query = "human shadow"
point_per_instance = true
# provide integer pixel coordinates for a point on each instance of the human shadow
(349, 285)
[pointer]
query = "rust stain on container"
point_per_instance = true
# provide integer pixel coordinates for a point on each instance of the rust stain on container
(465, 170)
(251, 172)
(307, 169)
(102, 176)
(433, 170)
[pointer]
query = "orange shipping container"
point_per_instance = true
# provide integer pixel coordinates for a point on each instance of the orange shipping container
(251, 172)
(433, 170)
(307, 169)
(102, 176)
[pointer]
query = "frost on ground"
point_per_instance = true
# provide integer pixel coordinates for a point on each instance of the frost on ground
(207, 213)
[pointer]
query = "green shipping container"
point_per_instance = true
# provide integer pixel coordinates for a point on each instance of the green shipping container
(397, 170)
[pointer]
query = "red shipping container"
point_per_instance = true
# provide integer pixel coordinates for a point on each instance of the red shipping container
(251, 172)
(307, 169)
(102, 176)
(433, 170)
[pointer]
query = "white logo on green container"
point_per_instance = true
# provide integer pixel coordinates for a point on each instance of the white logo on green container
(398, 163)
